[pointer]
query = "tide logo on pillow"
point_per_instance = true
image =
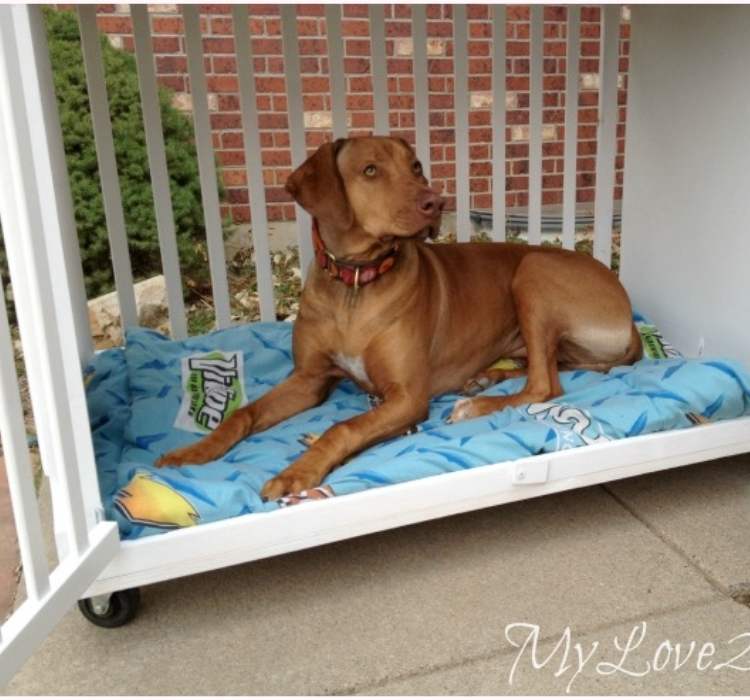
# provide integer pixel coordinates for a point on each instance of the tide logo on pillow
(212, 389)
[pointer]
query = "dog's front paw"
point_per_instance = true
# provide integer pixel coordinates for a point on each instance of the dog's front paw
(462, 410)
(192, 454)
(289, 482)
(465, 409)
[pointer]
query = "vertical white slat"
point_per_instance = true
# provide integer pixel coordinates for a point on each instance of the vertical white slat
(421, 93)
(295, 110)
(606, 146)
(535, 125)
(461, 108)
(157, 161)
(498, 122)
(105, 153)
(42, 298)
(336, 70)
(43, 293)
(29, 209)
(18, 470)
(571, 128)
(206, 165)
(73, 270)
(379, 71)
(253, 164)
(60, 236)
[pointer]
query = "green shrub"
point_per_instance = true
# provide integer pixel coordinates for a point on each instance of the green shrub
(132, 162)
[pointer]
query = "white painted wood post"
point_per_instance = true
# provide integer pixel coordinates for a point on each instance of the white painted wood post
(295, 111)
(18, 469)
(535, 125)
(421, 92)
(206, 165)
(606, 145)
(336, 70)
(461, 109)
(59, 188)
(498, 122)
(105, 153)
(253, 164)
(571, 128)
(43, 299)
(157, 162)
(379, 72)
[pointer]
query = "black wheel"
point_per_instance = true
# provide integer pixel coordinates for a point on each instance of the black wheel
(121, 608)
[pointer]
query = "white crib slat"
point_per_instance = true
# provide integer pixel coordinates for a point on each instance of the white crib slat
(498, 122)
(35, 252)
(105, 153)
(295, 110)
(461, 107)
(336, 70)
(535, 125)
(206, 165)
(253, 164)
(571, 128)
(72, 271)
(157, 161)
(51, 177)
(421, 94)
(607, 134)
(18, 469)
(379, 72)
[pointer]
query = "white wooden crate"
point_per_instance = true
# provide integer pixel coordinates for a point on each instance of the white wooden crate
(694, 286)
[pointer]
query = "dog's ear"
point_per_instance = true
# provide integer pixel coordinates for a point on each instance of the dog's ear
(406, 143)
(317, 187)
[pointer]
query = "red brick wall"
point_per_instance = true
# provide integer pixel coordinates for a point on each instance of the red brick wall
(218, 44)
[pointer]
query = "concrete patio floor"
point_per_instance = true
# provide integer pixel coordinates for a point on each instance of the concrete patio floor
(426, 609)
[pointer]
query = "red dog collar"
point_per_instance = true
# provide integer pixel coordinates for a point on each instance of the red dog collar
(353, 274)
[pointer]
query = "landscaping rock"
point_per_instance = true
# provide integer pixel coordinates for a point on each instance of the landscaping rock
(153, 312)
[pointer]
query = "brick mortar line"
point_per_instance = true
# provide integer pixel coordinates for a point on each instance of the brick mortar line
(499, 654)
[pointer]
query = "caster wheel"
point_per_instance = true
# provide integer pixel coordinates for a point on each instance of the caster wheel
(114, 610)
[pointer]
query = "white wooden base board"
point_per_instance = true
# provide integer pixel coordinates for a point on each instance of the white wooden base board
(256, 536)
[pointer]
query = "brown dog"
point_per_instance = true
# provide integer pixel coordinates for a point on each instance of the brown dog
(407, 320)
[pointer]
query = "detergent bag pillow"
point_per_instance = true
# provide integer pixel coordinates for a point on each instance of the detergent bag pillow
(181, 390)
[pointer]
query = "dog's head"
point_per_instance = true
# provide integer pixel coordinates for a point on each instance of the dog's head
(374, 184)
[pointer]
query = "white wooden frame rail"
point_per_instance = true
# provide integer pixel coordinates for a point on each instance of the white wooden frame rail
(251, 537)
(34, 233)
(37, 215)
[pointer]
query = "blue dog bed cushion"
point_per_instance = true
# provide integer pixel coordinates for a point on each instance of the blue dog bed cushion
(157, 394)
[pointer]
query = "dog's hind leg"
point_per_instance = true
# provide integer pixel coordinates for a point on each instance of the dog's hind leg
(543, 380)
(543, 383)
(490, 377)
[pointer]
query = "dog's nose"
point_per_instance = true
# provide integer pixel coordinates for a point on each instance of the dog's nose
(431, 204)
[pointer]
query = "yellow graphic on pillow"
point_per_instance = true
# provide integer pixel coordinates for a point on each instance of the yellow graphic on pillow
(508, 364)
(146, 501)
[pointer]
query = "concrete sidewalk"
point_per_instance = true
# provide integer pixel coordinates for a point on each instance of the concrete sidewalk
(9, 556)
(427, 608)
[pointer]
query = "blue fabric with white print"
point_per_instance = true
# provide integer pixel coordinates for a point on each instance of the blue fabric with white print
(134, 396)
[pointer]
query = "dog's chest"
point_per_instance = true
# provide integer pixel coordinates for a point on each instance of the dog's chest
(353, 366)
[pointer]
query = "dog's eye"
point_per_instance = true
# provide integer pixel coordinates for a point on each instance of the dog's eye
(370, 170)
(416, 167)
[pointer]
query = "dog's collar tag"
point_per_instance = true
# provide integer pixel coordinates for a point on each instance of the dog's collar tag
(352, 274)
